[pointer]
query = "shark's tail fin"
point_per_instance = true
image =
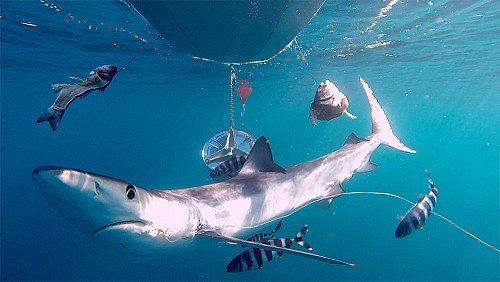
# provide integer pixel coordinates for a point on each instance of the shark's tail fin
(53, 115)
(380, 124)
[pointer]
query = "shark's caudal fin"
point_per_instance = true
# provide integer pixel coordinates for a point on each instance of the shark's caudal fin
(53, 116)
(380, 124)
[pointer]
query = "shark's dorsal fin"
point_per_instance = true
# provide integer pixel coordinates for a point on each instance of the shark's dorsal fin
(353, 139)
(229, 239)
(260, 159)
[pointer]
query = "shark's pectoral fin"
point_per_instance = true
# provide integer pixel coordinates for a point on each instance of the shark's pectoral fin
(260, 159)
(216, 235)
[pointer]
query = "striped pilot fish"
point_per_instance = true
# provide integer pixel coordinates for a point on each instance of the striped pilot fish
(254, 258)
(415, 218)
(259, 237)
(229, 168)
(98, 79)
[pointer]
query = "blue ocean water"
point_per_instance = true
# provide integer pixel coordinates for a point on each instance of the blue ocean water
(433, 65)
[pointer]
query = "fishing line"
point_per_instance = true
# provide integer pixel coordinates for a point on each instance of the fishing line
(376, 194)
(303, 57)
(150, 43)
(411, 203)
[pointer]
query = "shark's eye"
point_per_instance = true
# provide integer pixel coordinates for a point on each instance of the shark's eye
(130, 191)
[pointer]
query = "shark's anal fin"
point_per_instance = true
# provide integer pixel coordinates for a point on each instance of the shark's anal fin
(260, 159)
(229, 239)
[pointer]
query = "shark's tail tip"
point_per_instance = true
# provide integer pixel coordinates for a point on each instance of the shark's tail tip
(411, 151)
(401, 147)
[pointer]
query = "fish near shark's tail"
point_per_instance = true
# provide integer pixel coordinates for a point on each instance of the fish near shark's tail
(380, 124)
(53, 115)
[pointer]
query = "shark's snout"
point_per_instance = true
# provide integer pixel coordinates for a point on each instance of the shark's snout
(61, 183)
(48, 178)
(75, 194)
(110, 210)
(46, 174)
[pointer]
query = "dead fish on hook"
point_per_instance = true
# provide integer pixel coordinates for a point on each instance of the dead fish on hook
(328, 103)
(98, 79)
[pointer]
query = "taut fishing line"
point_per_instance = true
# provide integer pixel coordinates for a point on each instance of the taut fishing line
(150, 43)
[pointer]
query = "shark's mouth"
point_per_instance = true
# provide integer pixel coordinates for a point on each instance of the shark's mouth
(125, 222)
(133, 237)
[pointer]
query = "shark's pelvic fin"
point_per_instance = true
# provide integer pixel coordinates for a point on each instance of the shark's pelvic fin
(380, 124)
(331, 191)
(229, 239)
(260, 159)
(324, 204)
(367, 166)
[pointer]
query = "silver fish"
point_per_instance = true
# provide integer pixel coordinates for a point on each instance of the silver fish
(136, 220)
(98, 79)
(328, 103)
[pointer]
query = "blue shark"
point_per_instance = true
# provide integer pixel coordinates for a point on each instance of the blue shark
(123, 215)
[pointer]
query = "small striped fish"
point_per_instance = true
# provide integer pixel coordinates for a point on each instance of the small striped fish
(229, 168)
(415, 218)
(259, 237)
(254, 258)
